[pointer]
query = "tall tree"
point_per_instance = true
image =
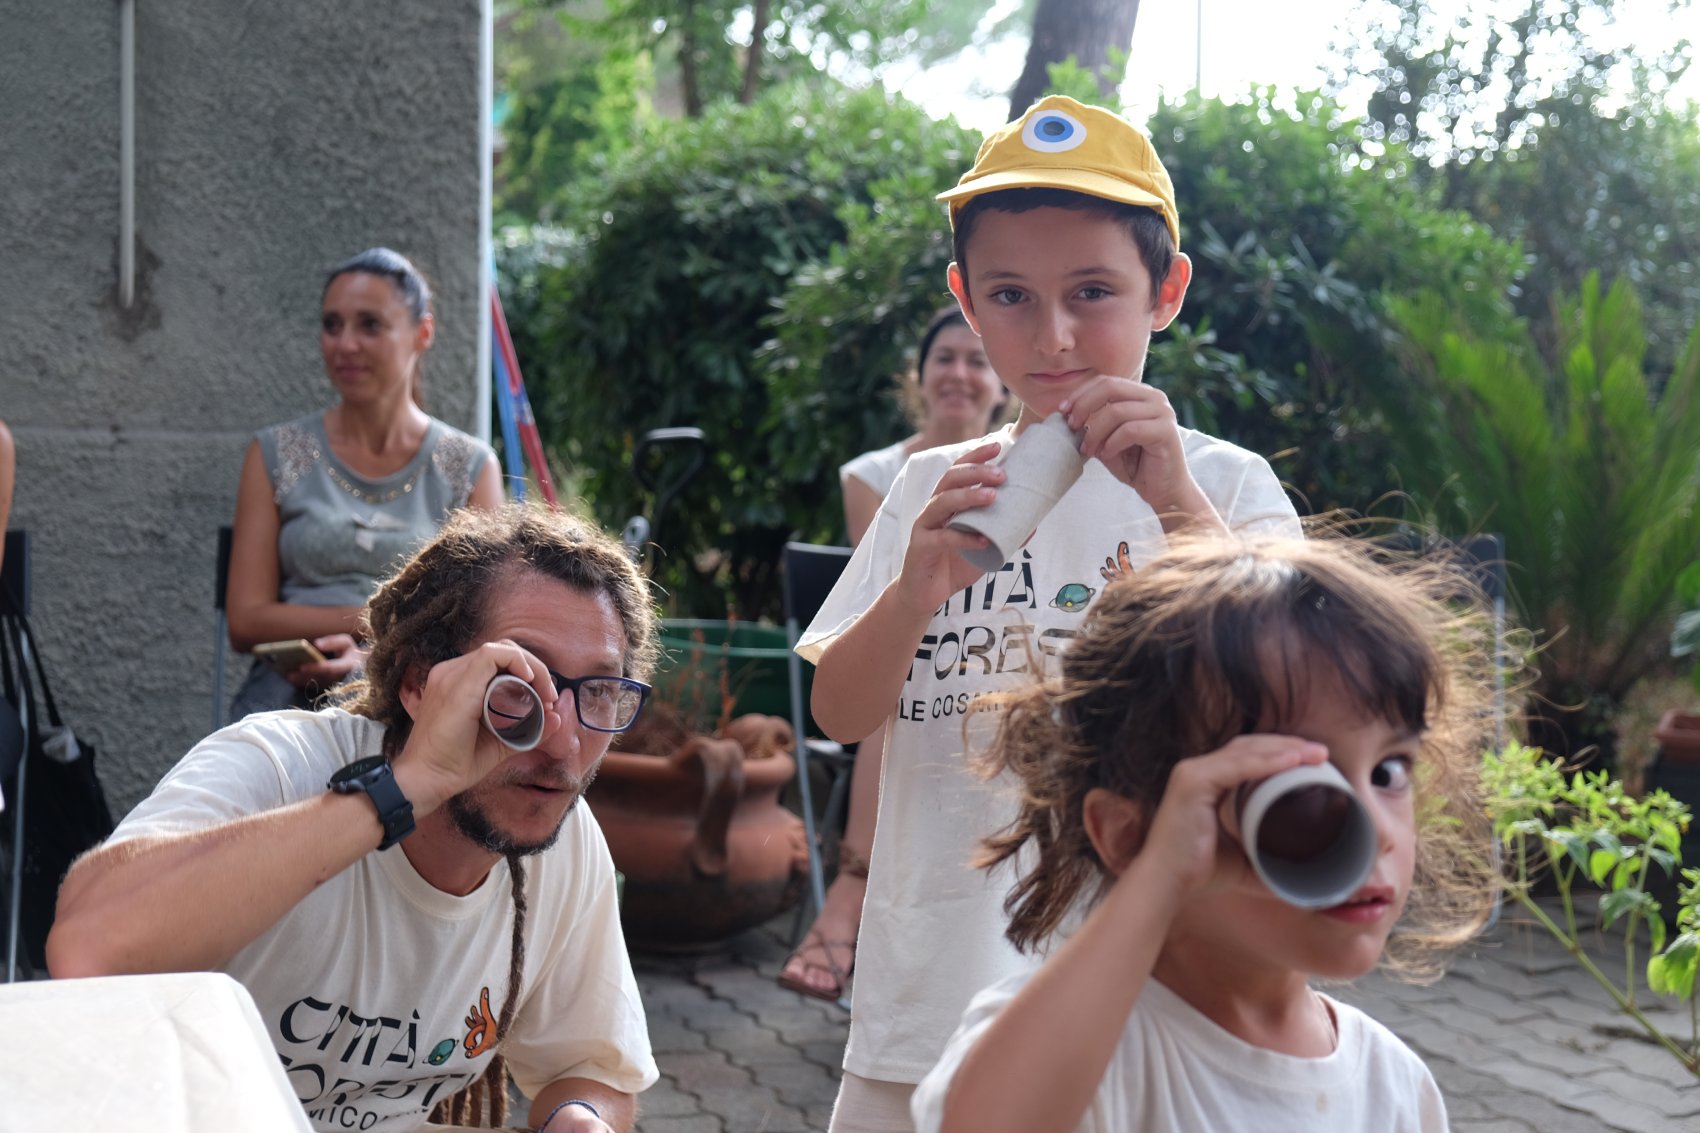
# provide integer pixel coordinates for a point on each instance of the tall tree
(1096, 34)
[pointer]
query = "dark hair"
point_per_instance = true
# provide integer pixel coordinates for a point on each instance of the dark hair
(950, 316)
(409, 282)
(1145, 226)
(432, 609)
(410, 285)
(1210, 641)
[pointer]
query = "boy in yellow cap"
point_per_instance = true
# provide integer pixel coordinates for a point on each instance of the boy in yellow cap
(1067, 259)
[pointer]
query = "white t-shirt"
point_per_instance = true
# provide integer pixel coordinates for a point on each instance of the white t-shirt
(877, 469)
(932, 926)
(379, 990)
(1175, 1069)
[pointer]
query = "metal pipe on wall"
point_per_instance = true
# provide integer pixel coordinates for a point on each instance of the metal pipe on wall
(126, 152)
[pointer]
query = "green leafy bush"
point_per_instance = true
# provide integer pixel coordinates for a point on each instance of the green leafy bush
(1592, 480)
(660, 302)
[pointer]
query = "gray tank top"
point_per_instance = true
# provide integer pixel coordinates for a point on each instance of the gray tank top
(340, 533)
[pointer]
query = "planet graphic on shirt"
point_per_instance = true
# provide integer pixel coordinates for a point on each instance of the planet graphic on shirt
(440, 1053)
(1074, 596)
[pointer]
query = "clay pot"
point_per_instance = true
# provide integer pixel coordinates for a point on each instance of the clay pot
(1678, 734)
(706, 849)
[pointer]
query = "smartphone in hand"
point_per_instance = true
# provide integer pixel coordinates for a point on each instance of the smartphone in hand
(287, 656)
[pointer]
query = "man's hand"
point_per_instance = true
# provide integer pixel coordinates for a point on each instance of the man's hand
(449, 749)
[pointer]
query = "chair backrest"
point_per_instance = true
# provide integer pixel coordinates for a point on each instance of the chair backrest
(811, 571)
(222, 576)
(15, 571)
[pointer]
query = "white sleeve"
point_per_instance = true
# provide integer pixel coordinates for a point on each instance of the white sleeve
(1260, 505)
(878, 558)
(926, 1104)
(264, 762)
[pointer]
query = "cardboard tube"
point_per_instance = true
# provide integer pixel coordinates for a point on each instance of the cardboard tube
(513, 712)
(1308, 836)
(1042, 464)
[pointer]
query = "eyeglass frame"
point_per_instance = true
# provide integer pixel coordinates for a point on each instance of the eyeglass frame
(563, 683)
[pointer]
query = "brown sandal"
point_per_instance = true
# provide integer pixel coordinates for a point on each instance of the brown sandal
(851, 863)
(840, 974)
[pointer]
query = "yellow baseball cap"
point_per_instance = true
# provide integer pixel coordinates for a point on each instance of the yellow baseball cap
(1063, 144)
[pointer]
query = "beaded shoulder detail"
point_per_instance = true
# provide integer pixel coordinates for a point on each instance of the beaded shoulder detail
(453, 458)
(297, 453)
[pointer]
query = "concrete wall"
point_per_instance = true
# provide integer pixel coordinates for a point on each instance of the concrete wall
(272, 141)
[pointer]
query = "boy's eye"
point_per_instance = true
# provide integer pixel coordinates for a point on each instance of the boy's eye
(1392, 773)
(1006, 296)
(1094, 292)
(330, 324)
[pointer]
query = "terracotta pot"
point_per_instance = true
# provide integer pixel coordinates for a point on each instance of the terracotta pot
(1678, 734)
(706, 849)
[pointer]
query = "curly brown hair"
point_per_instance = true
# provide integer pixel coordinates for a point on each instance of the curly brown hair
(1210, 641)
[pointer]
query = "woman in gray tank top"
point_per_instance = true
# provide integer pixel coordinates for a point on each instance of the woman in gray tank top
(330, 503)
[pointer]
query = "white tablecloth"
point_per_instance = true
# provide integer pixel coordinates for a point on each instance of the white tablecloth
(184, 1053)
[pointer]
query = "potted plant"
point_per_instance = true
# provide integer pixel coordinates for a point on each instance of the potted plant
(689, 802)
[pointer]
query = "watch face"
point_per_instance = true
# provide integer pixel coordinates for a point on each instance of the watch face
(358, 768)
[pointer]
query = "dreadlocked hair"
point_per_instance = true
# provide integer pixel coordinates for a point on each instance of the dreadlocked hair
(432, 610)
(1214, 639)
(484, 1100)
(434, 607)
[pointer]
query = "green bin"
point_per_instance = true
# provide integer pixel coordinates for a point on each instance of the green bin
(695, 651)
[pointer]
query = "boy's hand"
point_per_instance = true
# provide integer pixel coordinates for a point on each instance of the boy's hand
(1131, 428)
(1187, 833)
(933, 566)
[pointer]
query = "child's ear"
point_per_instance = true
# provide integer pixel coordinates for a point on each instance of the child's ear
(959, 288)
(1115, 825)
(1172, 292)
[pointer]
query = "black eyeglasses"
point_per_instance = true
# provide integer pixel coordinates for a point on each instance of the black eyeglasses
(604, 704)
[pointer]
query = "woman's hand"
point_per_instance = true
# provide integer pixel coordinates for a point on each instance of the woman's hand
(343, 656)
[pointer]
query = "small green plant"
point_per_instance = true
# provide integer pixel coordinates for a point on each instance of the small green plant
(1584, 829)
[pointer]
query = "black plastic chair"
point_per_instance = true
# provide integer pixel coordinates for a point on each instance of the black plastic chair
(221, 627)
(15, 582)
(810, 571)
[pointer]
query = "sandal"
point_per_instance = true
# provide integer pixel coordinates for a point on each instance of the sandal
(798, 982)
(851, 864)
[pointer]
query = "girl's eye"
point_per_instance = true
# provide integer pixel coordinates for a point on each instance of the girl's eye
(370, 326)
(1392, 773)
(330, 324)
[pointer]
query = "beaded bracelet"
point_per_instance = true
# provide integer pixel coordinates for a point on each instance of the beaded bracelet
(564, 1105)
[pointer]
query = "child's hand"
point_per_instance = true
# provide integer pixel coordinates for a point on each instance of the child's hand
(933, 567)
(1187, 835)
(1131, 428)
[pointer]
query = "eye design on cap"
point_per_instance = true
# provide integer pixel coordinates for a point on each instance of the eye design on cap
(1053, 132)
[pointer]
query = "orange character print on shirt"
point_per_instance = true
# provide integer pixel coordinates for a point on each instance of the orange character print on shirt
(481, 1024)
(1119, 567)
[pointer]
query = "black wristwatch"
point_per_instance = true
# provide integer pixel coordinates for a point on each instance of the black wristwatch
(373, 776)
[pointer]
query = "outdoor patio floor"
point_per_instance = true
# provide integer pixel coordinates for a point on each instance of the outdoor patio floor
(1519, 1037)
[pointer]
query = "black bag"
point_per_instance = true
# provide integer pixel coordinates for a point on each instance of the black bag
(64, 807)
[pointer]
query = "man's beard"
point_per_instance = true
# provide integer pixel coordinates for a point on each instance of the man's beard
(471, 821)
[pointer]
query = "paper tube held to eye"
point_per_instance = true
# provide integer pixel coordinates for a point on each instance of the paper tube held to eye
(513, 712)
(1308, 835)
(1042, 464)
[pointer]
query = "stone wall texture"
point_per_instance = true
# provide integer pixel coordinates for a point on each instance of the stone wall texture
(272, 141)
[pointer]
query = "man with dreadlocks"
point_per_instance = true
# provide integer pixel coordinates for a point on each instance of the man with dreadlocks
(401, 985)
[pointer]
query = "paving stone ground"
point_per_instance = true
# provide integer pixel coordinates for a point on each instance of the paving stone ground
(1519, 1037)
